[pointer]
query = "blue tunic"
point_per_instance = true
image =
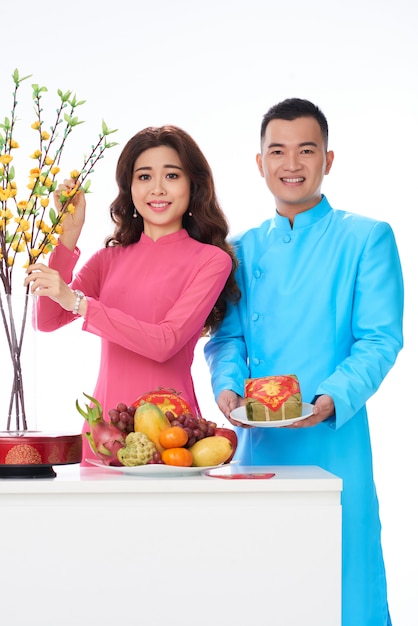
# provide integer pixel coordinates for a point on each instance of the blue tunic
(322, 300)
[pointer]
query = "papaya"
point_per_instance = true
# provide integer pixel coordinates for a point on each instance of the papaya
(151, 421)
(210, 451)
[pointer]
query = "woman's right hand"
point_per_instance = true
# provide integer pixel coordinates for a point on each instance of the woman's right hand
(73, 223)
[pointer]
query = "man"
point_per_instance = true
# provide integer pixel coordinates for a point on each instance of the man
(322, 298)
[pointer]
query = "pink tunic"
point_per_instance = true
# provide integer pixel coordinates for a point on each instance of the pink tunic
(148, 302)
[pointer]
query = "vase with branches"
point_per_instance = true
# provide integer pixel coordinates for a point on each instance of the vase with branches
(30, 222)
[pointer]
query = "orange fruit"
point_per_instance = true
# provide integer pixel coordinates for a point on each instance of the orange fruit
(182, 457)
(173, 437)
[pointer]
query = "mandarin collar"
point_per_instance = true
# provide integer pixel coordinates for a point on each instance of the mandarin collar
(302, 220)
(179, 235)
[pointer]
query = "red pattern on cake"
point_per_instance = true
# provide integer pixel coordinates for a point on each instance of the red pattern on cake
(272, 391)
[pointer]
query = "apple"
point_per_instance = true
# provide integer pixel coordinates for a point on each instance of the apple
(231, 435)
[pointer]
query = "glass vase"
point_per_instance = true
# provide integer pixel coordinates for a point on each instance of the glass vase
(18, 337)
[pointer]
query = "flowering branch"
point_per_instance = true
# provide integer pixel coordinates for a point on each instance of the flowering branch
(27, 227)
(28, 224)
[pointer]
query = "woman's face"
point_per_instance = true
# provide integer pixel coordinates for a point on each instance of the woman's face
(160, 191)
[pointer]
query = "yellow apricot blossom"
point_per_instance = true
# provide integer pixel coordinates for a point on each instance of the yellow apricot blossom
(44, 202)
(4, 194)
(6, 159)
(55, 170)
(6, 214)
(23, 224)
(35, 172)
(46, 181)
(36, 125)
(51, 240)
(45, 135)
(18, 246)
(74, 174)
(36, 154)
(48, 160)
(34, 252)
(13, 143)
(43, 226)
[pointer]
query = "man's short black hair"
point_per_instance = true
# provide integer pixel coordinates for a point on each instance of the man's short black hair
(293, 108)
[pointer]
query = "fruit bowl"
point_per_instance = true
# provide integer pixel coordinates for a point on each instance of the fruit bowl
(31, 454)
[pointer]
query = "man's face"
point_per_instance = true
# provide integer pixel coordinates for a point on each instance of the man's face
(294, 162)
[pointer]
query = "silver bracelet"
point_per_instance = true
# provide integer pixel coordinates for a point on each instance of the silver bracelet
(79, 296)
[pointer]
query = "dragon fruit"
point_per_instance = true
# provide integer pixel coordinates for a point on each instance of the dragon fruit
(104, 438)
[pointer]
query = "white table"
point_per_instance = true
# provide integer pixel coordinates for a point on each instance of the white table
(92, 547)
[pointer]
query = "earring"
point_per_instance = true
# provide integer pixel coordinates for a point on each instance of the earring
(135, 213)
(190, 214)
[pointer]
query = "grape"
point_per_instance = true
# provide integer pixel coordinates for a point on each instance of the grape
(156, 459)
(124, 420)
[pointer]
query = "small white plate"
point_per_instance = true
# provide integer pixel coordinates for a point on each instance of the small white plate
(153, 469)
(240, 415)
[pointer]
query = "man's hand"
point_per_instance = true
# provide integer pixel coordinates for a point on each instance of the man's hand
(323, 408)
(228, 401)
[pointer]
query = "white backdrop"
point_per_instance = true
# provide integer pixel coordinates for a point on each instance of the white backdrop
(214, 69)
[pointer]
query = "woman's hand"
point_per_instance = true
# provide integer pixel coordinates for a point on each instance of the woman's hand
(45, 281)
(72, 223)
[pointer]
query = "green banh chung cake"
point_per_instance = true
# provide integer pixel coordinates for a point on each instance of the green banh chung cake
(273, 398)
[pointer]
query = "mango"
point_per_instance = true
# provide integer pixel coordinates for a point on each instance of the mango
(211, 451)
(151, 421)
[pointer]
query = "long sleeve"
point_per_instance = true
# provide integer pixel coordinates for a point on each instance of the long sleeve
(226, 351)
(376, 326)
(161, 339)
(159, 314)
(323, 300)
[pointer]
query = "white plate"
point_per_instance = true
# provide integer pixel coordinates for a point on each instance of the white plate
(240, 415)
(154, 469)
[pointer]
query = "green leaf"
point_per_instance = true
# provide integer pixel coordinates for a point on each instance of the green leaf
(53, 215)
(17, 79)
(106, 130)
(86, 186)
(64, 96)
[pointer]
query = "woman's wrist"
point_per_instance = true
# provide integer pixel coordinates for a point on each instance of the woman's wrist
(79, 301)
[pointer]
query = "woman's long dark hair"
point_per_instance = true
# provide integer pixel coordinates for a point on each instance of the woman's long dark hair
(207, 223)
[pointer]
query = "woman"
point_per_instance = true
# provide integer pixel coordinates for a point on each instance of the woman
(160, 282)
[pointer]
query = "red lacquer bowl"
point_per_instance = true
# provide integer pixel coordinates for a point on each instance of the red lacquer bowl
(31, 454)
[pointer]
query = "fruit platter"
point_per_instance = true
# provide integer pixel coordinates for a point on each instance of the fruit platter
(157, 434)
